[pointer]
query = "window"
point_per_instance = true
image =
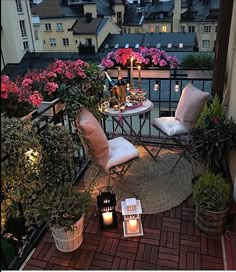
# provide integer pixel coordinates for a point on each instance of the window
(216, 28)
(48, 27)
(129, 31)
(151, 29)
(182, 28)
(23, 29)
(65, 41)
(19, 6)
(161, 15)
(119, 16)
(26, 45)
(169, 45)
(157, 29)
(127, 45)
(205, 43)
(116, 45)
(207, 28)
(36, 35)
(59, 27)
(136, 30)
(88, 41)
(164, 28)
(191, 28)
(52, 42)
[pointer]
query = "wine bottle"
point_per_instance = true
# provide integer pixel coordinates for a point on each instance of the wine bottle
(111, 81)
(122, 85)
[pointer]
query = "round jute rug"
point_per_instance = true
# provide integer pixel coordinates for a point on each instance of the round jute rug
(152, 182)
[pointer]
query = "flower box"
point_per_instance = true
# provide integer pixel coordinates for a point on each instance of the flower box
(146, 73)
(54, 107)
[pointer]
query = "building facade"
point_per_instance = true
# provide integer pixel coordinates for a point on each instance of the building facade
(17, 35)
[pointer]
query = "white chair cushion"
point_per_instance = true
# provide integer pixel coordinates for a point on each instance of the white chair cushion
(169, 125)
(120, 151)
(190, 105)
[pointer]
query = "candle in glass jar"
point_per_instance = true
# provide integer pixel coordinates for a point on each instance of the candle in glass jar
(139, 78)
(132, 226)
(107, 218)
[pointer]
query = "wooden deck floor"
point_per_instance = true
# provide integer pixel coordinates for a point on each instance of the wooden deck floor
(171, 241)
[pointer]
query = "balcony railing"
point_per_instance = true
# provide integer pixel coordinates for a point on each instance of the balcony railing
(165, 101)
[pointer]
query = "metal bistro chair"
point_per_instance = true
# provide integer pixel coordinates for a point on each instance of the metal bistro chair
(114, 156)
(187, 112)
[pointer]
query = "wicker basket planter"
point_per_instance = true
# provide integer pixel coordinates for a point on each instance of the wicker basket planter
(67, 241)
(211, 222)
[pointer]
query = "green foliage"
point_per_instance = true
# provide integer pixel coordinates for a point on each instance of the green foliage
(198, 61)
(211, 192)
(57, 154)
(60, 206)
(20, 155)
(214, 136)
(89, 94)
(212, 113)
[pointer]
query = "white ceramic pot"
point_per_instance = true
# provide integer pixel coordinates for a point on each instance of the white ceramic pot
(67, 241)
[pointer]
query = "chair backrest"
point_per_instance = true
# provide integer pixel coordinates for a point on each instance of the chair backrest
(92, 136)
(190, 105)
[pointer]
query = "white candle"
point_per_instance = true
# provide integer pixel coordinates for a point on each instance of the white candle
(131, 71)
(139, 78)
(107, 218)
(132, 226)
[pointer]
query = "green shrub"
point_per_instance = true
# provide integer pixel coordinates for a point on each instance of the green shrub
(197, 61)
(211, 192)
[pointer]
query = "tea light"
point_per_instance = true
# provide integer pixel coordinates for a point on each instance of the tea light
(122, 108)
(107, 218)
(116, 107)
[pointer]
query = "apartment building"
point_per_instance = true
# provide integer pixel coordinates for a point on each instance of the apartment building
(66, 26)
(17, 36)
(199, 16)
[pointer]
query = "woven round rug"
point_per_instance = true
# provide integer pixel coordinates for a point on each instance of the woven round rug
(152, 182)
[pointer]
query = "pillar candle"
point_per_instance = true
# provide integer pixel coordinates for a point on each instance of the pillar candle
(132, 226)
(107, 218)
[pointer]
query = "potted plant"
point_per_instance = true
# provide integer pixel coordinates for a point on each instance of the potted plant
(74, 82)
(211, 195)
(15, 100)
(63, 209)
(195, 64)
(213, 137)
(58, 151)
(20, 159)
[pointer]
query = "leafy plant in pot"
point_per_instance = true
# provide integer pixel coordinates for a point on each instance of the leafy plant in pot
(20, 159)
(63, 209)
(213, 137)
(211, 195)
(58, 151)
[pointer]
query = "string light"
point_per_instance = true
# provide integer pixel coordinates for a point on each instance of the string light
(176, 86)
(156, 86)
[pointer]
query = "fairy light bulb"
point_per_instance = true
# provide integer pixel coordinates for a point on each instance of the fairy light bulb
(176, 86)
(156, 86)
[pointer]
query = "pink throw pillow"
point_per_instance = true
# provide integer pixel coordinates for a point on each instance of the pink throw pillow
(93, 135)
(190, 105)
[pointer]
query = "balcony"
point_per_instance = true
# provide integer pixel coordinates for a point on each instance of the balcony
(171, 240)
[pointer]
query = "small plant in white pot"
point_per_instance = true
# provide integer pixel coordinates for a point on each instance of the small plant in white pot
(63, 209)
(212, 196)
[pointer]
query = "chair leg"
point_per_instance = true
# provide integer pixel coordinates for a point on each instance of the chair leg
(162, 145)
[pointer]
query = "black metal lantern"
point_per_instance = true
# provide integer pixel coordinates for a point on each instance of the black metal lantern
(106, 202)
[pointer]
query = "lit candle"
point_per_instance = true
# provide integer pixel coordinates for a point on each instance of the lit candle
(107, 218)
(139, 78)
(131, 71)
(132, 226)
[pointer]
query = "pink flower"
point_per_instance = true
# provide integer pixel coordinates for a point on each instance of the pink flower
(51, 87)
(69, 75)
(35, 98)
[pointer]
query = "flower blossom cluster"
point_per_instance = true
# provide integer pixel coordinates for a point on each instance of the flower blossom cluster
(10, 88)
(147, 57)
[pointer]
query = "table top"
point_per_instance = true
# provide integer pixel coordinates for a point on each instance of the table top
(146, 106)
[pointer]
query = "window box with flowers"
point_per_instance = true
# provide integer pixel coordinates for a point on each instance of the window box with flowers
(153, 62)
(77, 83)
(16, 101)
